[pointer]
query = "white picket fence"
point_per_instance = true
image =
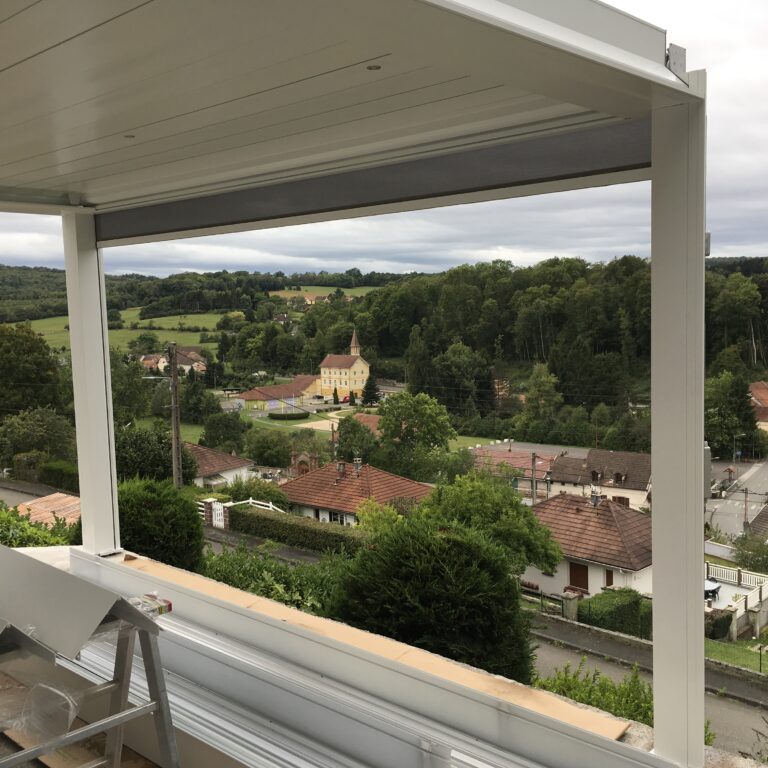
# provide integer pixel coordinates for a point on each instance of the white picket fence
(218, 507)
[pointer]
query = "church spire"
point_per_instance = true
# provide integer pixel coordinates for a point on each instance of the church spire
(354, 345)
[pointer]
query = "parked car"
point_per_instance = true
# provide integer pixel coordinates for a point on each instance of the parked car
(345, 399)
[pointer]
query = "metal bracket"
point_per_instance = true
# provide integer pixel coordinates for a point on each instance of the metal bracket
(675, 62)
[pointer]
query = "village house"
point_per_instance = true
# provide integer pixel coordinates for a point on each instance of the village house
(186, 360)
(622, 476)
(344, 373)
(333, 493)
(604, 544)
(758, 395)
(517, 466)
(48, 509)
(274, 397)
(217, 468)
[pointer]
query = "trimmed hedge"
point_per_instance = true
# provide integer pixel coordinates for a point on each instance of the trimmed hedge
(295, 531)
(60, 474)
(289, 416)
(717, 623)
(620, 610)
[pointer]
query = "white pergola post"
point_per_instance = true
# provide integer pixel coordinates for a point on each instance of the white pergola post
(86, 298)
(677, 378)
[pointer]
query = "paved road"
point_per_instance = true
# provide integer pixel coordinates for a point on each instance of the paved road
(12, 498)
(732, 721)
(728, 513)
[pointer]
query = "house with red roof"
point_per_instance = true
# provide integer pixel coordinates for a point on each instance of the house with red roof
(604, 544)
(217, 468)
(344, 373)
(278, 397)
(48, 509)
(758, 393)
(333, 493)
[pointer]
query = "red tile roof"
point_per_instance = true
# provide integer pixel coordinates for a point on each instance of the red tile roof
(210, 462)
(489, 459)
(294, 388)
(759, 393)
(610, 533)
(615, 469)
(339, 361)
(327, 488)
(370, 420)
(47, 508)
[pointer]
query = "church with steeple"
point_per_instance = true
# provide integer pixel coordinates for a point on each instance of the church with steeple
(344, 373)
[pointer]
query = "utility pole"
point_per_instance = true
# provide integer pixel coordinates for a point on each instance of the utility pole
(175, 421)
(533, 478)
(746, 516)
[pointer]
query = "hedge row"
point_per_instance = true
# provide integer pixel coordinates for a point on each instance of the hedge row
(717, 623)
(60, 474)
(288, 416)
(620, 610)
(296, 531)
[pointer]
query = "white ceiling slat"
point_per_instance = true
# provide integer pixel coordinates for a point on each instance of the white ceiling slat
(36, 30)
(107, 101)
(278, 157)
(231, 120)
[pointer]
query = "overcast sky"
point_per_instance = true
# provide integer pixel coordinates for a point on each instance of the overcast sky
(726, 38)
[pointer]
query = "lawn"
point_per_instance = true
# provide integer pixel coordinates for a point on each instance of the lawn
(324, 290)
(190, 433)
(290, 426)
(467, 441)
(56, 334)
(739, 654)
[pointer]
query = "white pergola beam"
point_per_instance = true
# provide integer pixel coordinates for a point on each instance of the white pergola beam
(677, 403)
(92, 385)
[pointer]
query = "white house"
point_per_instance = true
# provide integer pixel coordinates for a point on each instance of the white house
(216, 468)
(604, 544)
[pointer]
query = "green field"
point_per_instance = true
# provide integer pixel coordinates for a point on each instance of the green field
(466, 441)
(55, 332)
(190, 433)
(290, 426)
(324, 290)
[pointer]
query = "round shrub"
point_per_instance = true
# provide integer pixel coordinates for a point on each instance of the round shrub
(446, 589)
(161, 522)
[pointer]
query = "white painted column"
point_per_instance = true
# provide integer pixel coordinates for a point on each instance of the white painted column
(86, 298)
(677, 408)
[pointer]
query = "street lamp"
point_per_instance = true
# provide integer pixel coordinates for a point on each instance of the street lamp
(741, 434)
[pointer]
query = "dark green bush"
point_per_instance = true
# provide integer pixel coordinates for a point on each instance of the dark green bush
(60, 474)
(288, 416)
(442, 587)
(161, 522)
(25, 465)
(294, 530)
(241, 489)
(620, 610)
(717, 623)
(631, 698)
(301, 586)
(17, 531)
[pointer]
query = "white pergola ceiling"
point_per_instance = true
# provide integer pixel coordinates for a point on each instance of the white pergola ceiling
(123, 104)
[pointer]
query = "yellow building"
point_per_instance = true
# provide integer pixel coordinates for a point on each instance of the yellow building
(344, 373)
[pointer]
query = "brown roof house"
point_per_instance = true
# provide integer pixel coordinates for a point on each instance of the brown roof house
(503, 462)
(333, 493)
(622, 476)
(216, 468)
(604, 544)
(47, 509)
(758, 392)
(281, 397)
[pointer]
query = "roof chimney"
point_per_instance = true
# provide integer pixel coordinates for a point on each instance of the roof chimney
(595, 496)
(358, 465)
(340, 467)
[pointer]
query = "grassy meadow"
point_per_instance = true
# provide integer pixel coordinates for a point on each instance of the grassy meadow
(56, 334)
